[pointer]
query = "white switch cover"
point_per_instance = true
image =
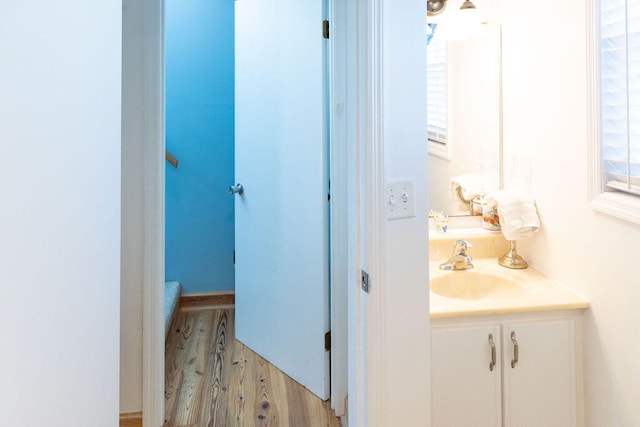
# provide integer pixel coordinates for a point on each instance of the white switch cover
(400, 200)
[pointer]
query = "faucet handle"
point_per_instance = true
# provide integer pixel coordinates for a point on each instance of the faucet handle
(464, 243)
(459, 260)
(461, 247)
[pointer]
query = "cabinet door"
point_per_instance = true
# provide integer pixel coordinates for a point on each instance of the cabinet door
(465, 392)
(539, 389)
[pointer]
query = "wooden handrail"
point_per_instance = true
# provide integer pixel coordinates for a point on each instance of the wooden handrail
(171, 159)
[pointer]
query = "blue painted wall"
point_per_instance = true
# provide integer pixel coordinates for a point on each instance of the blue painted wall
(200, 134)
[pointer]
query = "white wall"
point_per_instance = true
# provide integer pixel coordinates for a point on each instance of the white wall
(60, 215)
(546, 120)
(398, 377)
(132, 208)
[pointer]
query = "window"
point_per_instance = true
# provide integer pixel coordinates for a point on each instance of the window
(437, 97)
(620, 94)
(615, 93)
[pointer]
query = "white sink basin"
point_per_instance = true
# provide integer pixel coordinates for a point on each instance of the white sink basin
(474, 285)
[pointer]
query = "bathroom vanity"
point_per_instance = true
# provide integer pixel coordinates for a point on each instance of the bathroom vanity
(506, 344)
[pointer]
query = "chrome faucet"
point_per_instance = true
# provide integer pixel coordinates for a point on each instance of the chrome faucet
(459, 260)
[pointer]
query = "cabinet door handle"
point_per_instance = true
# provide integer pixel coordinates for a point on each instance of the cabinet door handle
(514, 361)
(492, 364)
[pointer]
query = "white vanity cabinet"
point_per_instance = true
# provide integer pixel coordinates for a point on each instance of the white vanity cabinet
(464, 391)
(477, 380)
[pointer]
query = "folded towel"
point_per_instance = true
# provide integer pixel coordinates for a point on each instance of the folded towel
(517, 212)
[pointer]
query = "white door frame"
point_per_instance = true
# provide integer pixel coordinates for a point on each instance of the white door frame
(340, 202)
(154, 229)
(153, 248)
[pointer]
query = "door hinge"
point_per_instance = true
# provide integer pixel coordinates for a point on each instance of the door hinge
(365, 281)
(327, 341)
(325, 29)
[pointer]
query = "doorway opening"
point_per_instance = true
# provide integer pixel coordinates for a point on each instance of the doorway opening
(154, 169)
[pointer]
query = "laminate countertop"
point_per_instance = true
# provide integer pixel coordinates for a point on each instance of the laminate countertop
(535, 292)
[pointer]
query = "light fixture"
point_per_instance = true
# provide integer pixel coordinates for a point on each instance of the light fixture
(468, 4)
(435, 7)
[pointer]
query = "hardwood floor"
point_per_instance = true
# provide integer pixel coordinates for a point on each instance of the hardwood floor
(212, 380)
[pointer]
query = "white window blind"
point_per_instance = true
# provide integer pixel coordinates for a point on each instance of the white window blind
(437, 91)
(620, 94)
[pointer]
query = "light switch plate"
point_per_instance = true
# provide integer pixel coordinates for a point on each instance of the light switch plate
(400, 200)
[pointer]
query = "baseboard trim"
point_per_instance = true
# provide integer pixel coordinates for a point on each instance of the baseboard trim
(207, 300)
(131, 419)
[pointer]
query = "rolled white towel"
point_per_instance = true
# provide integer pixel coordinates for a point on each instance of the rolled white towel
(517, 212)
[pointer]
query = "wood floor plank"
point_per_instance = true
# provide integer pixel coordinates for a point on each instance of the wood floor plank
(298, 411)
(242, 384)
(278, 390)
(175, 359)
(192, 384)
(266, 408)
(216, 393)
(213, 380)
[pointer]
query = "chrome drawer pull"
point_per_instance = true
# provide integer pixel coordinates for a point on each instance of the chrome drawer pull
(514, 361)
(492, 364)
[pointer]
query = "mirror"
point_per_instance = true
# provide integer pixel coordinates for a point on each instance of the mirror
(472, 153)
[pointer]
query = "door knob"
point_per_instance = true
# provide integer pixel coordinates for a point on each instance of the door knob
(236, 189)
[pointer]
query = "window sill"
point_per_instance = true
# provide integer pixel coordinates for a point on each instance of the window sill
(619, 205)
(439, 149)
